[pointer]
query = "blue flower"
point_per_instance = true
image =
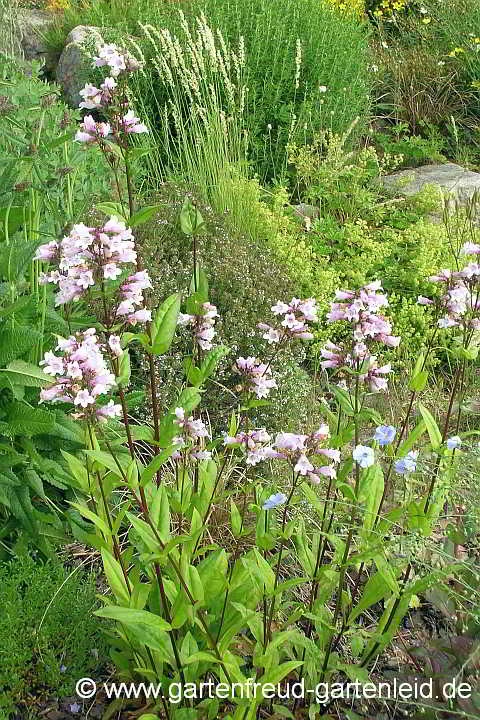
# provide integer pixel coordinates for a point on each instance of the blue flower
(454, 442)
(364, 456)
(407, 464)
(385, 434)
(75, 707)
(274, 501)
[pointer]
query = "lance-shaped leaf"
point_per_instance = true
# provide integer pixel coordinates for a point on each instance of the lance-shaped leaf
(164, 324)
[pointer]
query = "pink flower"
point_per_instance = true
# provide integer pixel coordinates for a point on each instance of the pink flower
(114, 344)
(421, 300)
(290, 441)
(132, 124)
(303, 465)
(142, 316)
(47, 251)
(110, 410)
(111, 271)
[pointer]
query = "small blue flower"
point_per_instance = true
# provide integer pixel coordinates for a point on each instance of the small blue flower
(63, 668)
(454, 442)
(364, 456)
(274, 501)
(385, 434)
(407, 464)
(75, 707)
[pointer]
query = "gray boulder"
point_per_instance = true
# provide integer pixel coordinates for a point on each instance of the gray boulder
(459, 183)
(74, 67)
(31, 28)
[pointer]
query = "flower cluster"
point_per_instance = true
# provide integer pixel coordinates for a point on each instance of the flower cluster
(203, 325)
(294, 325)
(81, 375)
(298, 450)
(109, 96)
(92, 131)
(132, 294)
(255, 443)
(193, 433)
(460, 303)
(361, 309)
(257, 376)
(118, 61)
(87, 256)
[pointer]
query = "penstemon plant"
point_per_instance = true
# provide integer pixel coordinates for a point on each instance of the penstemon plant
(282, 603)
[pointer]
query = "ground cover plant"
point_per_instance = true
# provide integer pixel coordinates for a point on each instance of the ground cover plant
(261, 399)
(48, 635)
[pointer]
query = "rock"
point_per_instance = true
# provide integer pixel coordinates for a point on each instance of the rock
(32, 26)
(306, 211)
(74, 67)
(460, 183)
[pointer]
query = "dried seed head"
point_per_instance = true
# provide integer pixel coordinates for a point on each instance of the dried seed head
(5, 105)
(21, 186)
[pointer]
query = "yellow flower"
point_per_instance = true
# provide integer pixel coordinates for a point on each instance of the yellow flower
(426, 20)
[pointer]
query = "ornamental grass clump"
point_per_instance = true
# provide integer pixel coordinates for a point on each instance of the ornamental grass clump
(283, 600)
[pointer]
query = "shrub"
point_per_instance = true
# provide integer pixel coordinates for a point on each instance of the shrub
(247, 278)
(48, 637)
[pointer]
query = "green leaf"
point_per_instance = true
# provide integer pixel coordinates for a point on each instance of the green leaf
(165, 323)
(201, 281)
(130, 615)
(374, 492)
(276, 674)
(419, 381)
(432, 427)
(211, 361)
(343, 399)
(115, 577)
(143, 215)
(124, 370)
(15, 218)
(411, 440)
(155, 464)
(160, 513)
(93, 517)
(23, 373)
(193, 373)
(191, 221)
(111, 208)
(15, 342)
(145, 532)
(236, 520)
(78, 471)
(26, 420)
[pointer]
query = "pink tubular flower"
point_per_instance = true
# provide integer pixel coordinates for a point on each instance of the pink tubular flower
(132, 124)
(421, 300)
(294, 325)
(81, 375)
(114, 344)
(92, 97)
(256, 374)
(87, 256)
(470, 248)
(203, 325)
(113, 57)
(92, 131)
(361, 309)
(110, 410)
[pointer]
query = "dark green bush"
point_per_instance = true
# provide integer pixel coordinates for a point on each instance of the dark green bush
(49, 637)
